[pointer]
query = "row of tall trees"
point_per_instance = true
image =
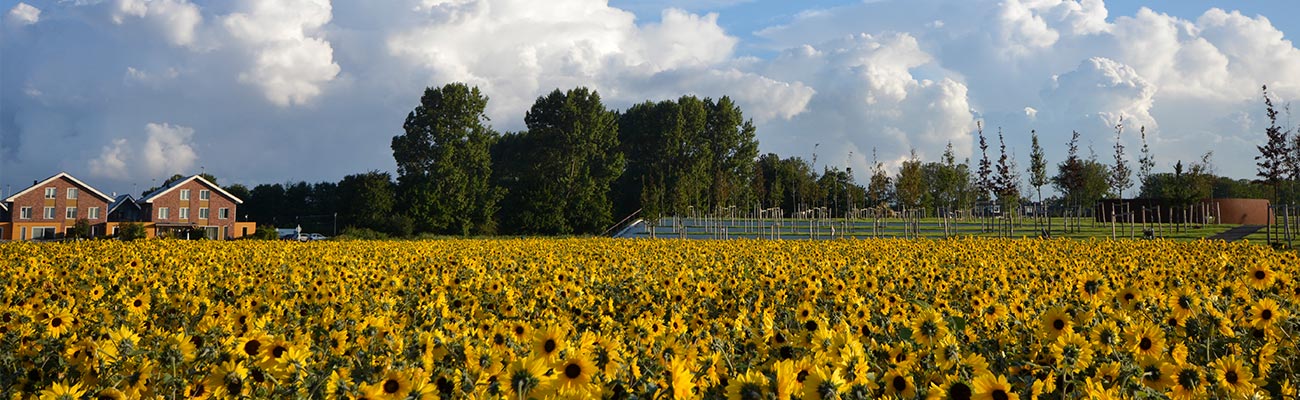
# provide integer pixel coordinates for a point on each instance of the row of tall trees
(580, 166)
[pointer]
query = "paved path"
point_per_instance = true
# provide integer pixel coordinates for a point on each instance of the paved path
(1237, 233)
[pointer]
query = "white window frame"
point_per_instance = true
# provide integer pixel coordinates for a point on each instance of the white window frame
(70, 213)
(185, 194)
(25, 213)
(92, 213)
(223, 213)
(203, 213)
(162, 213)
(49, 213)
(73, 193)
(51, 193)
(205, 194)
(184, 213)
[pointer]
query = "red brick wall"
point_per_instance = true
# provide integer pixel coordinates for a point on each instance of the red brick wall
(172, 200)
(37, 201)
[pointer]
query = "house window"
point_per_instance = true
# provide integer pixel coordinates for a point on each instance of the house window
(49, 212)
(205, 194)
(44, 232)
(116, 230)
(203, 213)
(25, 213)
(92, 213)
(72, 193)
(185, 194)
(162, 212)
(223, 213)
(185, 213)
(71, 213)
(51, 192)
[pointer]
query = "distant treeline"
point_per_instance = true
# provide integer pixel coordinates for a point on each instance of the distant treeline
(579, 167)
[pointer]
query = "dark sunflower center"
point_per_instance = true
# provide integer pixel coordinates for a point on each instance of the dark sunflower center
(1266, 314)
(902, 356)
(1188, 378)
(573, 370)
(278, 351)
(991, 310)
(391, 386)
(1091, 287)
(899, 383)
(801, 376)
(1185, 302)
(105, 397)
(137, 303)
(1259, 274)
(519, 330)
(1000, 394)
(252, 347)
(959, 391)
(498, 339)
(1145, 344)
(1230, 377)
(56, 322)
(549, 346)
(1106, 337)
(810, 325)
(1058, 324)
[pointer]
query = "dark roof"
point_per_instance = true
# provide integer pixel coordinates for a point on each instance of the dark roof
(148, 198)
(120, 200)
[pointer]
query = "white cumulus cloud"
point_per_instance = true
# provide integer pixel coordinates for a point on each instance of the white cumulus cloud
(289, 64)
(23, 14)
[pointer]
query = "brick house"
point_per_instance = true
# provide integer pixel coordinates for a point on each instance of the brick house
(192, 203)
(50, 208)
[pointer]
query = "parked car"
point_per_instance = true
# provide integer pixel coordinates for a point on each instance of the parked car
(312, 237)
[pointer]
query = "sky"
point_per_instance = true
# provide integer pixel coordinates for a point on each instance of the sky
(124, 93)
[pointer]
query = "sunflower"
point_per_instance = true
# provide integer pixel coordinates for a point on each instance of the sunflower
(994, 313)
(787, 379)
(573, 377)
(228, 379)
(1153, 373)
(1091, 287)
(1187, 381)
(752, 385)
(1107, 373)
(1260, 277)
(1184, 304)
(928, 328)
(548, 343)
(1106, 337)
(254, 346)
(57, 323)
(1146, 340)
(953, 388)
(990, 387)
(1233, 378)
(62, 391)
(1055, 322)
(898, 382)
(1072, 352)
(137, 305)
(110, 394)
(1096, 390)
(1129, 298)
(824, 383)
(681, 378)
(1265, 313)
(394, 385)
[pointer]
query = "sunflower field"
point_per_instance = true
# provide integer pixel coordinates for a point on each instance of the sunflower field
(605, 318)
